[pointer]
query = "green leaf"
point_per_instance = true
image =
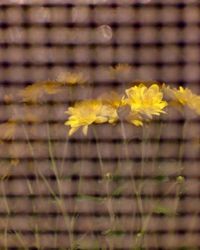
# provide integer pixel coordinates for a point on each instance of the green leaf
(161, 178)
(114, 232)
(163, 210)
(117, 193)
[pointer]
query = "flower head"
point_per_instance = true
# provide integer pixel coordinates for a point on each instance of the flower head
(71, 78)
(120, 68)
(185, 97)
(179, 97)
(144, 102)
(112, 98)
(35, 91)
(51, 87)
(8, 129)
(84, 113)
(147, 83)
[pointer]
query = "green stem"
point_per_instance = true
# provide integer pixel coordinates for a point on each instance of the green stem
(180, 167)
(137, 191)
(59, 202)
(144, 135)
(53, 163)
(125, 142)
(109, 197)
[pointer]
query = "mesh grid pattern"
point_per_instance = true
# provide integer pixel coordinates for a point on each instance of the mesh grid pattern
(86, 209)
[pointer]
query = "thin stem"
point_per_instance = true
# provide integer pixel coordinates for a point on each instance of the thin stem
(5, 235)
(180, 167)
(136, 190)
(143, 147)
(5, 198)
(20, 240)
(125, 142)
(109, 197)
(53, 163)
(59, 202)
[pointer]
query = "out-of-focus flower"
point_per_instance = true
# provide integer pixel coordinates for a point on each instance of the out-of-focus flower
(8, 98)
(117, 102)
(109, 112)
(144, 103)
(71, 78)
(168, 92)
(185, 97)
(86, 112)
(121, 72)
(35, 91)
(120, 68)
(31, 93)
(51, 87)
(8, 129)
(178, 97)
(14, 162)
(112, 98)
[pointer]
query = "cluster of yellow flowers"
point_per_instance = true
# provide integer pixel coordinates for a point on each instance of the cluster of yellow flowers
(34, 92)
(139, 104)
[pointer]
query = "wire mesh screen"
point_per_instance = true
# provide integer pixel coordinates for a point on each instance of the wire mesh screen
(61, 192)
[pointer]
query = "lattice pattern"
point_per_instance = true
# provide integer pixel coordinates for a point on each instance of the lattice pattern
(86, 199)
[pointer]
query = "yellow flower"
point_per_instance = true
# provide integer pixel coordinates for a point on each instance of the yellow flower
(51, 87)
(116, 101)
(8, 129)
(135, 118)
(144, 103)
(31, 92)
(109, 112)
(112, 98)
(71, 78)
(185, 97)
(86, 112)
(120, 68)
(168, 92)
(35, 91)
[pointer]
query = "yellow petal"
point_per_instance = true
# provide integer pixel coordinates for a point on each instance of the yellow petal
(85, 130)
(137, 123)
(72, 131)
(101, 119)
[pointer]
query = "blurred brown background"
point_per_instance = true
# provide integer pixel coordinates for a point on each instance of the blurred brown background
(78, 193)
